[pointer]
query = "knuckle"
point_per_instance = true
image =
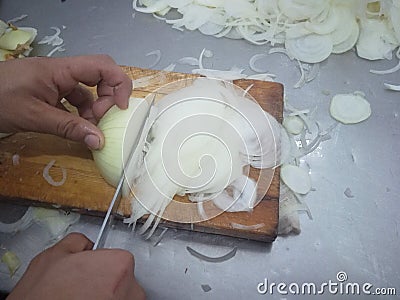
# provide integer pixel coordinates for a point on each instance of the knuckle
(67, 127)
(106, 58)
(124, 260)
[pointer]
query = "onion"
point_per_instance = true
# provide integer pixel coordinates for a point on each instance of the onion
(49, 179)
(157, 54)
(392, 87)
(21, 36)
(296, 178)
(293, 124)
(247, 227)
(312, 48)
(12, 261)
(350, 108)
(253, 60)
(54, 220)
(376, 40)
(388, 71)
(219, 259)
(191, 61)
(291, 22)
(55, 49)
(199, 140)
(52, 40)
(17, 19)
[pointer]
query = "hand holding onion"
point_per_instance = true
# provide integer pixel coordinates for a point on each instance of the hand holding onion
(31, 90)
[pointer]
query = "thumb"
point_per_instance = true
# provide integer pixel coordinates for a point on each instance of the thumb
(67, 125)
(73, 243)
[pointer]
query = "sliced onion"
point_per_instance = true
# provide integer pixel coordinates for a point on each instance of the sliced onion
(55, 49)
(312, 48)
(348, 43)
(53, 40)
(188, 60)
(296, 178)
(350, 108)
(157, 54)
(293, 124)
(392, 87)
(12, 261)
(49, 179)
(17, 19)
(160, 237)
(388, 71)
(219, 259)
(376, 40)
(247, 227)
(21, 36)
(220, 74)
(253, 60)
(298, 10)
(169, 68)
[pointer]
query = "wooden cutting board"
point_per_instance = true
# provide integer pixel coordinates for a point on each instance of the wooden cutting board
(87, 192)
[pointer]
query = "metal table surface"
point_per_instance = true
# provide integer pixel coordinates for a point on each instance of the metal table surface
(359, 236)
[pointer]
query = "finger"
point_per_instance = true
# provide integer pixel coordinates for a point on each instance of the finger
(83, 100)
(101, 106)
(66, 125)
(74, 243)
(98, 70)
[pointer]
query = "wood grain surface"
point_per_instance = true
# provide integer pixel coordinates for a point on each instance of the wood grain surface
(87, 192)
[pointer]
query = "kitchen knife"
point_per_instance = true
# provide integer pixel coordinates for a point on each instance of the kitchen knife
(116, 200)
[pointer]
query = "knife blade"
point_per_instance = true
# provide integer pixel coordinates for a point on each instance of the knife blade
(116, 200)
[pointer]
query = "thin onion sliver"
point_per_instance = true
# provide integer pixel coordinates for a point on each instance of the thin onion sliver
(157, 54)
(392, 87)
(49, 179)
(219, 259)
(247, 227)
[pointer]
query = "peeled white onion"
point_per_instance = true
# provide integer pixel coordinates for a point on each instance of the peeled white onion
(113, 124)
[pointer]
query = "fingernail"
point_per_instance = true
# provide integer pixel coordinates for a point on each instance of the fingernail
(92, 141)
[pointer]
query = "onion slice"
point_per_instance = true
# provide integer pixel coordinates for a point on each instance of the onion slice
(350, 108)
(254, 59)
(247, 227)
(157, 54)
(392, 87)
(296, 178)
(49, 179)
(219, 259)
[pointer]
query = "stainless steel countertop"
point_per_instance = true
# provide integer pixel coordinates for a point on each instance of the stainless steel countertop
(359, 235)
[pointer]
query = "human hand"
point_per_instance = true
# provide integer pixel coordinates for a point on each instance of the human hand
(71, 270)
(31, 90)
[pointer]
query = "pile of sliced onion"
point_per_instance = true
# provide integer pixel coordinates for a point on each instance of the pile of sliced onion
(199, 140)
(310, 29)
